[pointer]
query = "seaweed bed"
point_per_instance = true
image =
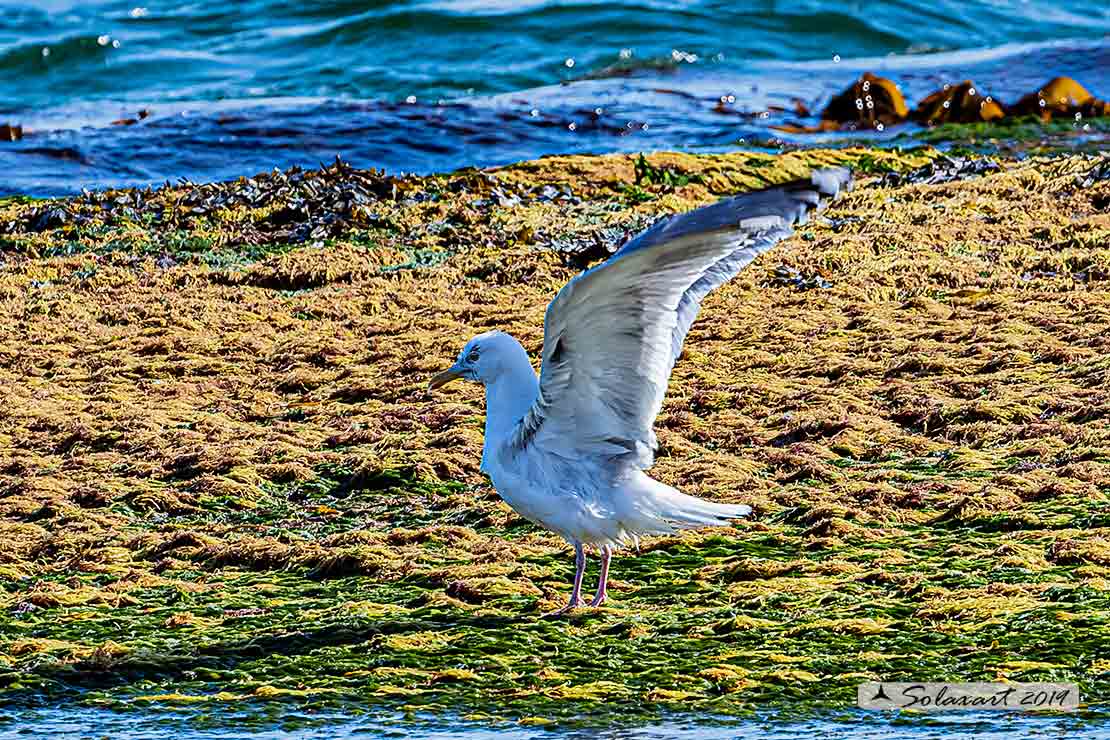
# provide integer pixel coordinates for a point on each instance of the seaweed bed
(223, 482)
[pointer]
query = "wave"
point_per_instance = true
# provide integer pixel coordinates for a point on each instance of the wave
(431, 85)
(433, 49)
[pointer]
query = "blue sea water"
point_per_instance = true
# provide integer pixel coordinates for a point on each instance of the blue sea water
(233, 88)
(88, 724)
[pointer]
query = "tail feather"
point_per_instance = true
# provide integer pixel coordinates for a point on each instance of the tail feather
(686, 512)
(643, 506)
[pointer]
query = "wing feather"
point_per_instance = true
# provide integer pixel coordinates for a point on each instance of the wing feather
(613, 333)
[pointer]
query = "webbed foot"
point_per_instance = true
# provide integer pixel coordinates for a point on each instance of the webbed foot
(565, 609)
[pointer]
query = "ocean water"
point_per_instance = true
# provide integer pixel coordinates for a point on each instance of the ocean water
(234, 88)
(94, 724)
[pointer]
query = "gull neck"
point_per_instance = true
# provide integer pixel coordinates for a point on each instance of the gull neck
(508, 398)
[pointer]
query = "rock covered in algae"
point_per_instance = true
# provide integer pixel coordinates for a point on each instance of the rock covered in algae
(875, 101)
(962, 103)
(10, 132)
(1061, 97)
(869, 100)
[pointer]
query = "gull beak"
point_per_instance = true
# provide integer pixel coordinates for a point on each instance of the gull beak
(443, 379)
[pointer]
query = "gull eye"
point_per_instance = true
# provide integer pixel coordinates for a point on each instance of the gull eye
(473, 356)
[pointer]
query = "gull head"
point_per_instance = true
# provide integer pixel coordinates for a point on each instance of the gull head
(484, 359)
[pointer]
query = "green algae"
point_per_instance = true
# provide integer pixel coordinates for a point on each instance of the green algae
(692, 623)
(1022, 135)
(684, 627)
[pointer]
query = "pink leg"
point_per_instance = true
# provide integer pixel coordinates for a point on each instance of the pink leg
(603, 582)
(576, 592)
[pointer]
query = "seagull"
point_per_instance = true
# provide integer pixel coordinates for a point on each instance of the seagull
(568, 450)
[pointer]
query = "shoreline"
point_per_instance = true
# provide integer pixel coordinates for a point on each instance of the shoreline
(207, 141)
(226, 486)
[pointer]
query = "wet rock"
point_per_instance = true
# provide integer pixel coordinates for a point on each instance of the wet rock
(785, 276)
(48, 218)
(1061, 97)
(132, 121)
(8, 132)
(962, 103)
(553, 194)
(1098, 173)
(942, 169)
(583, 252)
(873, 101)
(869, 100)
(798, 128)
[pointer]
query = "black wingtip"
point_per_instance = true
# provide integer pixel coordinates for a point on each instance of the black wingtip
(772, 207)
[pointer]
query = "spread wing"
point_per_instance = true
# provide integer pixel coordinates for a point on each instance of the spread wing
(613, 333)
